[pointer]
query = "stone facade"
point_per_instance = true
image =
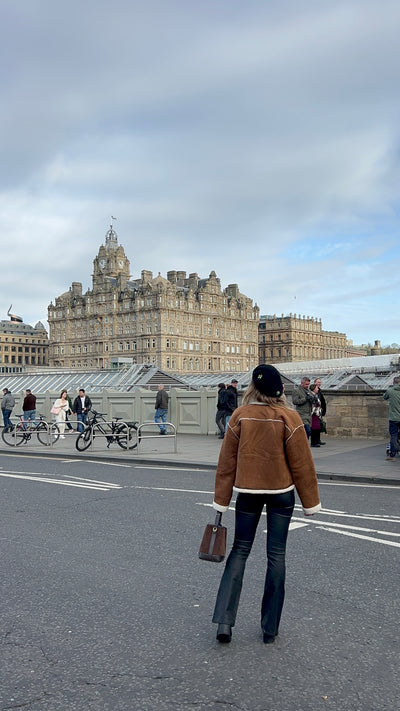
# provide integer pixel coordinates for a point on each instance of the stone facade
(285, 339)
(22, 345)
(181, 324)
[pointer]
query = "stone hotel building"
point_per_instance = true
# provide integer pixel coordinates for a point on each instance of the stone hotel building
(182, 324)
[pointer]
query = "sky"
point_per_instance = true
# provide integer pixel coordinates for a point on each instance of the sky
(258, 139)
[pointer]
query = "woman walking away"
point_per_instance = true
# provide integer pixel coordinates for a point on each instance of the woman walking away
(264, 457)
(63, 405)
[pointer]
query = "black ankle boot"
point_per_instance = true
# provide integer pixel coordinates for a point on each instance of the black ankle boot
(224, 633)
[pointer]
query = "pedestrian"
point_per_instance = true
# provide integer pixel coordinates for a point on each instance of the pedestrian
(316, 412)
(264, 457)
(221, 410)
(303, 400)
(161, 407)
(7, 404)
(393, 395)
(63, 405)
(68, 414)
(321, 397)
(82, 405)
(231, 401)
(29, 407)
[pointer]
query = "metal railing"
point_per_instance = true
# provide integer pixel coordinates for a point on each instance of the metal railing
(150, 423)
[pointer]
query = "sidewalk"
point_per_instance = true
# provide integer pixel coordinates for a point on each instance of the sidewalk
(362, 460)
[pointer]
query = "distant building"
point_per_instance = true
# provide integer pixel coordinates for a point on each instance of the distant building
(286, 339)
(179, 323)
(22, 345)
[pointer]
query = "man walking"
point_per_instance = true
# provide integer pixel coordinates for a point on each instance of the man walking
(303, 400)
(161, 408)
(29, 407)
(221, 410)
(231, 400)
(82, 405)
(393, 395)
(7, 404)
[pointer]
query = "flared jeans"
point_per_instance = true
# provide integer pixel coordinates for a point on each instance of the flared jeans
(248, 511)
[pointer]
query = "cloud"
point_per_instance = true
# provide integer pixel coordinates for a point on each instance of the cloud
(261, 141)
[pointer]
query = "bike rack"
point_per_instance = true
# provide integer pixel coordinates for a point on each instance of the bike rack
(33, 430)
(95, 432)
(148, 423)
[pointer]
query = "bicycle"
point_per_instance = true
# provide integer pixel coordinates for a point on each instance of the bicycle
(123, 433)
(22, 432)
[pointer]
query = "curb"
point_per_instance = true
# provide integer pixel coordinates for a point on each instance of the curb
(201, 466)
(360, 479)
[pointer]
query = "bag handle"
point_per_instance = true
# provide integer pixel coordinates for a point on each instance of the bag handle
(217, 524)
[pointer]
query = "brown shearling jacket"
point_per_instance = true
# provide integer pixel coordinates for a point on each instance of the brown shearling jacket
(265, 450)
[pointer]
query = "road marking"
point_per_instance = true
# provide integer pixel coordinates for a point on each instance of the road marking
(106, 464)
(172, 469)
(358, 535)
(184, 491)
(353, 528)
(362, 485)
(61, 482)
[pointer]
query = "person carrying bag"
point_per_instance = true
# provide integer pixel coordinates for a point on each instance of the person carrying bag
(264, 457)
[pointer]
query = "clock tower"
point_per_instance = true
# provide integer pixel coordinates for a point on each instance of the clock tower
(111, 261)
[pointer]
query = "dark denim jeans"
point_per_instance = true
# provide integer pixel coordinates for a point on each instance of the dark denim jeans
(248, 511)
(7, 421)
(81, 419)
(394, 428)
(220, 420)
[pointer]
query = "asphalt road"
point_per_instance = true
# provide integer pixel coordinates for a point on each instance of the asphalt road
(105, 605)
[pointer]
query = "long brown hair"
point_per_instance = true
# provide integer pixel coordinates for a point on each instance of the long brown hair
(254, 395)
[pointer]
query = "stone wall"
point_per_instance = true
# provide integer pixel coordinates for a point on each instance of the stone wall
(356, 414)
(349, 413)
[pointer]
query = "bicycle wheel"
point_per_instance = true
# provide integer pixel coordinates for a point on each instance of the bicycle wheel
(127, 439)
(15, 436)
(46, 435)
(83, 440)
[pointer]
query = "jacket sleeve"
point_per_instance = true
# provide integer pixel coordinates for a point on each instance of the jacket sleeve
(323, 404)
(302, 468)
(299, 397)
(226, 469)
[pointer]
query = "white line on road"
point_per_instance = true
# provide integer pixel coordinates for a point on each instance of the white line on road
(172, 469)
(61, 482)
(354, 528)
(362, 485)
(358, 535)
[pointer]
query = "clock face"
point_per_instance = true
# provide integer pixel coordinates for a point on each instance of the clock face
(120, 263)
(102, 263)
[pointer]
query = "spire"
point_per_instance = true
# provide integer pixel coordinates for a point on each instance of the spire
(111, 236)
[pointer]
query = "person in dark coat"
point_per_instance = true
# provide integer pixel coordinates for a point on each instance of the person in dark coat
(231, 400)
(82, 405)
(221, 410)
(161, 409)
(29, 407)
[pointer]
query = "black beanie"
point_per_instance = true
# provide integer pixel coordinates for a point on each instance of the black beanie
(267, 380)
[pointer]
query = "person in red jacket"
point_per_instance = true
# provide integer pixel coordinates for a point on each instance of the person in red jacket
(264, 456)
